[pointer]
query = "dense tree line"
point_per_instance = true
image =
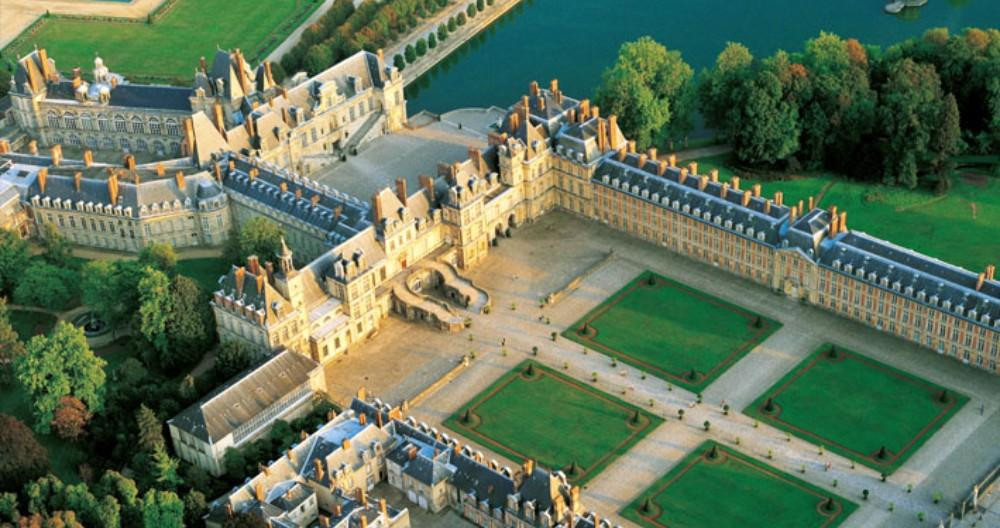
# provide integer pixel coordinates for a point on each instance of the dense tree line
(344, 30)
(896, 116)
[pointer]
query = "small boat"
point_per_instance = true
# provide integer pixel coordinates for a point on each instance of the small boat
(898, 5)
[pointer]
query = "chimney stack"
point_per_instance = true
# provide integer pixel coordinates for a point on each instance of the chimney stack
(681, 176)
(381, 56)
(179, 178)
(56, 152)
(362, 497)
(714, 175)
(642, 161)
(259, 492)
(767, 207)
(129, 162)
(161, 171)
(528, 467)
(220, 123)
(621, 154)
(324, 521)
(661, 167)
(756, 190)
(652, 152)
(843, 221)
(812, 203)
(318, 469)
(33, 147)
(427, 183)
(253, 264)
(631, 146)
(702, 182)
(612, 129)
(834, 225)
(383, 508)
(113, 188)
(794, 214)
(779, 198)
(363, 419)
(77, 180)
(42, 176)
(672, 160)
(735, 181)
(345, 444)
(725, 191)
(693, 167)
(980, 280)
(746, 198)
(239, 274)
(88, 157)
(584, 110)
(4, 146)
(203, 65)
(533, 88)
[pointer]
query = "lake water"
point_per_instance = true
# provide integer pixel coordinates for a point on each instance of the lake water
(575, 40)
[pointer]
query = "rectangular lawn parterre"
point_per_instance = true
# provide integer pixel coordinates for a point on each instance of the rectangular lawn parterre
(856, 407)
(168, 49)
(534, 412)
(710, 489)
(671, 330)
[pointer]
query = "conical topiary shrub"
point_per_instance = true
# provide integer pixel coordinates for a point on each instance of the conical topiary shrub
(943, 396)
(635, 417)
(692, 375)
(769, 405)
(530, 370)
(467, 416)
(647, 506)
(829, 505)
(882, 453)
(832, 352)
(714, 452)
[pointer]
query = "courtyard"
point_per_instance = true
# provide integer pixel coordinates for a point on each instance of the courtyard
(536, 413)
(677, 333)
(858, 407)
(717, 486)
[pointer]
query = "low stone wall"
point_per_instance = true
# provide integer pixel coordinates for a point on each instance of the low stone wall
(575, 282)
(442, 381)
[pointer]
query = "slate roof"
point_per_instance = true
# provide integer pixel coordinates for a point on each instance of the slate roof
(751, 221)
(477, 478)
(944, 286)
(340, 215)
(133, 95)
(245, 396)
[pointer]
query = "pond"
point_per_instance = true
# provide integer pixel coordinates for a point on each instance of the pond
(575, 40)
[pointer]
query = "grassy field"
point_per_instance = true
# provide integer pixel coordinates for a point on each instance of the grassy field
(670, 329)
(959, 227)
(734, 490)
(28, 324)
(168, 50)
(855, 406)
(205, 271)
(553, 419)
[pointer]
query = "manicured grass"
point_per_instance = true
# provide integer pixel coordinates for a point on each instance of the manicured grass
(669, 329)
(959, 227)
(168, 50)
(28, 324)
(854, 406)
(733, 490)
(553, 419)
(205, 271)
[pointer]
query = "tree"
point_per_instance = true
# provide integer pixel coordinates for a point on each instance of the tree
(57, 249)
(190, 327)
(13, 259)
(399, 62)
(914, 117)
(471, 10)
(124, 490)
(235, 463)
(155, 307)
(195, 507)
(58, 365)
(160, 256)
(651, 91)
(452, 25)
(244, 520)
(149, 429)
(22, 458)
(410, 53)
(162, 509)
(460, 19)
(259, 236)
(764, 126)
(11, 346)
(432, 41)
(232, 358)
(718, 86)
(480, 5)
(318, 58)
(111, 289)
(46, 286)
(164, 469)
(442, 33)
(70, 418)
(421, 47)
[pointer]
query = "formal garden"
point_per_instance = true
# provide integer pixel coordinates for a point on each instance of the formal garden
(718, 486)
(672, 331)
(165, 46)
(956, 226)
(534, 412)
(857, 407)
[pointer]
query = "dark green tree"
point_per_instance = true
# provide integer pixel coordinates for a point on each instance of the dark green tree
(471, 10)
(442, 33)
(232, 358)
(410, 53)
(421, 47)
(149, 429)
(11, 346)
(244, 520)
(45, 286)
(56, 248)
(259, 236)
(399, 62)
(155, 307)
(159, 255)
(13, 259)
(162, 509)
(195, 507)
(318, 58)
(651, 91)
(58, 365)
(432, 41)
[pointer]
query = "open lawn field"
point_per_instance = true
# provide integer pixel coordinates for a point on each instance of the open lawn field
(168, 49)
(726, 488)
(672, 331)
(857, 407)
(959, 227)
(204, 271)
(535, 412)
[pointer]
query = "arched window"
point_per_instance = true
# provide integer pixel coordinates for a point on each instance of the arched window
(54, 121)
(86, 122)
(107, 144)
(137, 125)
(57, 139)
(124, 144)
(154, 126)
(120, 124)
(74, 140)
(103, 124)
(70, 120)
(158, 148)
(140, 145)
(172, 128)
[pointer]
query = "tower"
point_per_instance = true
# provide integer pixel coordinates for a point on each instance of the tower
(285, 263)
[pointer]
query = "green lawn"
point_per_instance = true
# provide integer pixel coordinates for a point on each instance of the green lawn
(168, 50)
(854, 406)
(669, 329)
(553, 419)
(28, 324)
(205, 271)
(733, 490)
(959, 227)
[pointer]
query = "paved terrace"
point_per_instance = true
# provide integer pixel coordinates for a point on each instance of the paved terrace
(544, 256)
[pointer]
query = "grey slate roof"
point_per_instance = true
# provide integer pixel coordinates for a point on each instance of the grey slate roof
(244, 396)
(473, 477)
(133, 95)
(944, 286)
(341, 216)
(667, 190)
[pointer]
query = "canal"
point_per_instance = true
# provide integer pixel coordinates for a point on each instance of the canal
(574, 40)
